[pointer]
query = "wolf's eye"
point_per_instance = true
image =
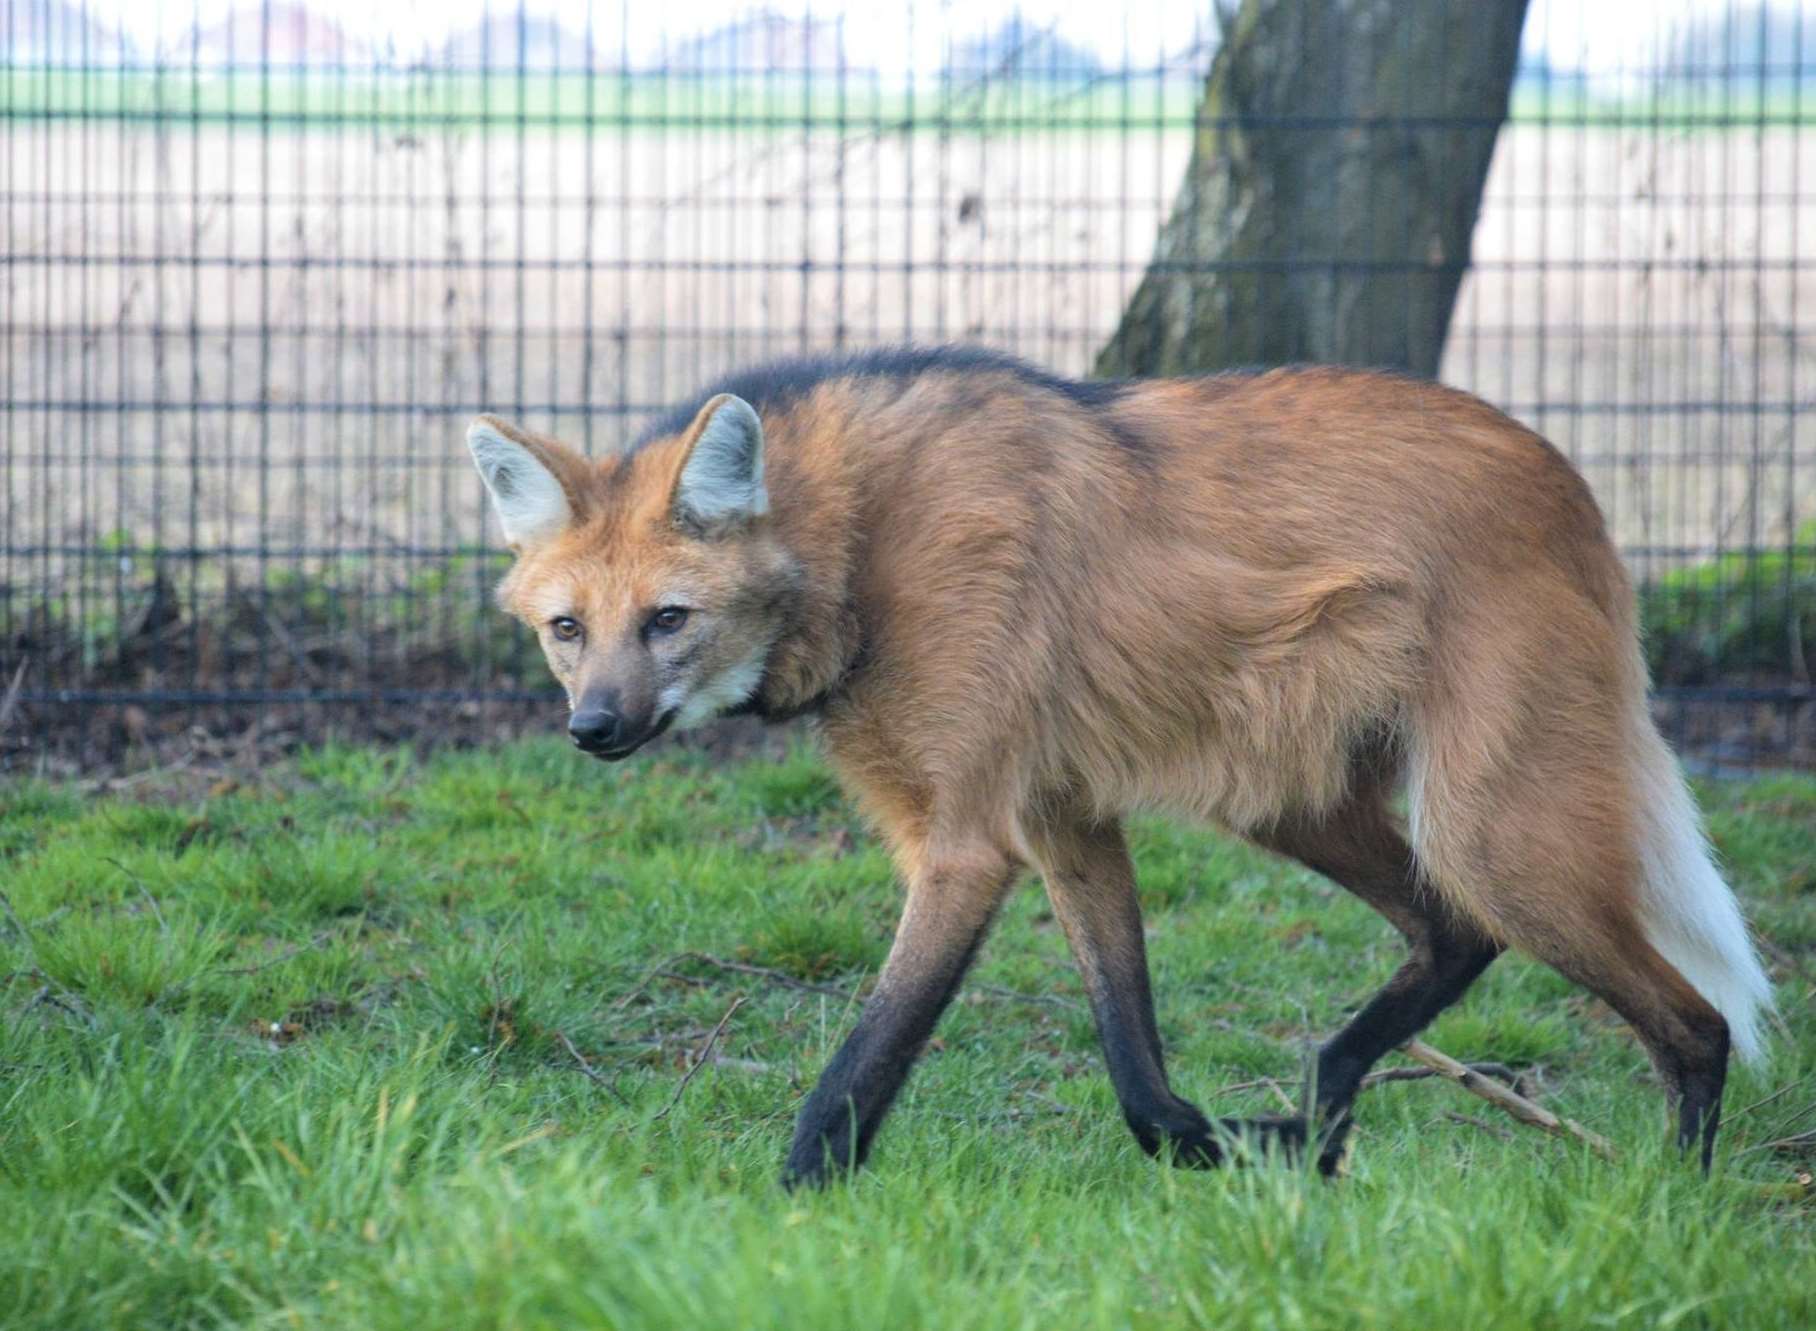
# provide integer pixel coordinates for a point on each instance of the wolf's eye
(668, 619)
(565, 628)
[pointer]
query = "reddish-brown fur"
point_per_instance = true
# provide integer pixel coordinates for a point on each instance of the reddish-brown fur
(1263, 601)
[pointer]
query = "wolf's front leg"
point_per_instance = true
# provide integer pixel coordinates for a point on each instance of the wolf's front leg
(1092, 886)
(952, 897)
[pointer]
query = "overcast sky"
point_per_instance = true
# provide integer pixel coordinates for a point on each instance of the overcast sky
(1591, 34)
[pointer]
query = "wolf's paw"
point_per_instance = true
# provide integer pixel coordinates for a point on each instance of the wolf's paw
(1234, 1141)
(1272, 1136)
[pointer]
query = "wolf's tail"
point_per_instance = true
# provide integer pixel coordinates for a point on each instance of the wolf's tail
(1690, 914)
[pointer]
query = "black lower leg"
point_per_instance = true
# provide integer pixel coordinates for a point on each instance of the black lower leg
(840, 1118)
(1697, 1081)
(1359, 848)
(1092, 886)
(1165, 1123)
(1697, 1124)
(1686, 1037)
(1436, 975)
(948, 911)
(1160, 1120)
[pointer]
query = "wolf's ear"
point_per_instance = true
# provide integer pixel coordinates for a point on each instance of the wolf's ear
(721, 482)
(523, 476)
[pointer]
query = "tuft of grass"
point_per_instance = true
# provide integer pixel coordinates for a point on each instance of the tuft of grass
(385, 1041)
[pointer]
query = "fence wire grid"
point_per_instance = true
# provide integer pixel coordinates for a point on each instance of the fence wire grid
(262, 263)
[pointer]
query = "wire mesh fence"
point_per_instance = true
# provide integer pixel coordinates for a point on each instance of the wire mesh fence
(262, 262)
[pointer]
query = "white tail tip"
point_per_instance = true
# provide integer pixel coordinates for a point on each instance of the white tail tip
(1691, 915)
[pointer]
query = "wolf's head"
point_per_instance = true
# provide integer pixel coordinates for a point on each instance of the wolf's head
(656, 581)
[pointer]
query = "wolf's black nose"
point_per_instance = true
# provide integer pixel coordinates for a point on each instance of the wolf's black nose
(596, 729)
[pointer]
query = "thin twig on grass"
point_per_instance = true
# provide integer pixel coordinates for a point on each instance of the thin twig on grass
(499, 1008)
(1787, 1137)
(1764, 1100)
(580, 1058)
(1799, 1116)
(986, 991)
(1797, 1143)
(1470, 1120)
(586, 1067)
(659, 1044)
(47, 995)
(1506, 1100)
(31, 944)
(774, 976)
(1499, 1071)
(281, 958)
(1259, 1083)
(53, 992)
(699, 1059)
(1275, 1087)
(666, 1040)
(144, 891)
(623, 1000)
(1286, 1101)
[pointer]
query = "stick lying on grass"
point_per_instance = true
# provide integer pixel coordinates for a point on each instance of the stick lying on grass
(700, 1059)
(586, 1067)
(1502, 1098)
(1499, 1071)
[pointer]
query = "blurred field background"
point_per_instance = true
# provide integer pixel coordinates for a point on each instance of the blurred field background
(254, 286)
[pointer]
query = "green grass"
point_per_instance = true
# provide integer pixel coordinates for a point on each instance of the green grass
(293, 1054)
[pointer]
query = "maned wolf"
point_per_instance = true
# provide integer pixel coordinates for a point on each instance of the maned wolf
(1021, 607)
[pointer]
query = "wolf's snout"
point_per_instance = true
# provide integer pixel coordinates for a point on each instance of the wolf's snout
(606, 726)
(597, 728)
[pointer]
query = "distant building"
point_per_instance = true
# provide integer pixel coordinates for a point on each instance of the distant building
(529, 42)
(55, 33)
(764, 42)
(282, 34)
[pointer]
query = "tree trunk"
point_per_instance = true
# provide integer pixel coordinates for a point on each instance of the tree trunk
(1336, 171)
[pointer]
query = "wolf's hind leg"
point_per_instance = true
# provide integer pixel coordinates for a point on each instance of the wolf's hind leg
(1554, 872)
(1360, 849)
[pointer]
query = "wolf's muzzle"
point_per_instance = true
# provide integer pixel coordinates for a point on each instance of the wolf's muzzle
(606, 733)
